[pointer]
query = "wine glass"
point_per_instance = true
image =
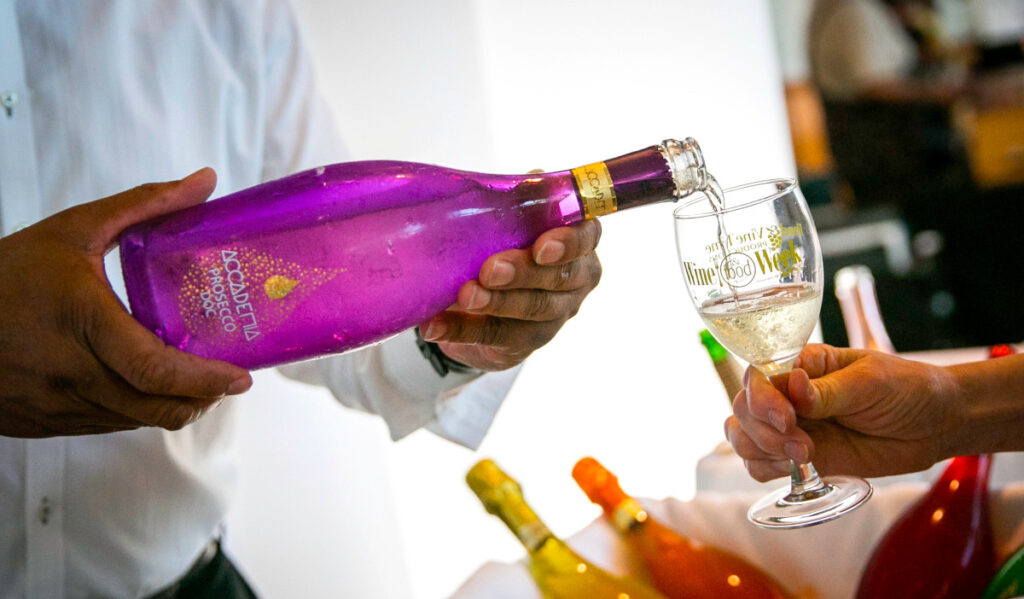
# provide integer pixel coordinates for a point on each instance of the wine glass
(752, 266)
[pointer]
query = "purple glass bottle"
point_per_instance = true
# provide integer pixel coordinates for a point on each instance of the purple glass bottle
(342, 256)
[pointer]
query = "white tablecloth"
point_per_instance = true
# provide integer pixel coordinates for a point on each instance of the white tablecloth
(822, 562)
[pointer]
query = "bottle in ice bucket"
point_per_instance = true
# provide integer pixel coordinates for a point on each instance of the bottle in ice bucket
(559, 572)
(346, 255)
(679, 567)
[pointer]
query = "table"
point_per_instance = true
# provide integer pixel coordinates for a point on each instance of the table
(821, 562)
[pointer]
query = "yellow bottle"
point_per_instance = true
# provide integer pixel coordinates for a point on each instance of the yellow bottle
(558, 571)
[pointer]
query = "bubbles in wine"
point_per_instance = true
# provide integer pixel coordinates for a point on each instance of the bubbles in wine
(764, 326)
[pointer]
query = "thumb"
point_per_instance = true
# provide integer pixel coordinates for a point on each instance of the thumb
(98, 224)
(144, 362)
(830, 396)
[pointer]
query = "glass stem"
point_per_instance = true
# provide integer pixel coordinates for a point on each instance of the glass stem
(805, 482)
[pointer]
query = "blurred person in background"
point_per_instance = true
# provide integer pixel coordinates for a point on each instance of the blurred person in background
(888, 80)
(895, 86)
(98, 97)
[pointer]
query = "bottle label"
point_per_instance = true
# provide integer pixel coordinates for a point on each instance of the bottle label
(597, 192)
(237, 295)
(628, 514)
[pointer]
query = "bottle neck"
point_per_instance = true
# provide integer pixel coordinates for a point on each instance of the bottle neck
(730, 371)
(513, 510)
(858, 301)
(627, 515)
(661, 173)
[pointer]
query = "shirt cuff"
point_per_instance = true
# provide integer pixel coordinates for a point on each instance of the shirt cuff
(459, 407)
(394, 381)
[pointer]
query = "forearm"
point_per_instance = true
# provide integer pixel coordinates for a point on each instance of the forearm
(990, 404)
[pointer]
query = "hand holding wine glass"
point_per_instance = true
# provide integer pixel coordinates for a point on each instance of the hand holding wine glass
(853, 416)
(875, 414)
(752, 267)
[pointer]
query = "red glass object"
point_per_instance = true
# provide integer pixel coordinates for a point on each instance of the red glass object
(942, 545)
(1001, 351)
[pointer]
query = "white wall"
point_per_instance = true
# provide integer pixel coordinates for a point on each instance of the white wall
(506, 87)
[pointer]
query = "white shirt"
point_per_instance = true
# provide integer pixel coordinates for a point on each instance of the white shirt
(95, 98)
(854, 44)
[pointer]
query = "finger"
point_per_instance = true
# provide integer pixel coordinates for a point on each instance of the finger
(516, 269)
(522, 304)
(766, 470)
(767, 403)
(513, 336)
(59, 411)
(795, 445)
(840, 450)
(564, 244)
(142, 360)
(839, 393)
(743, 445)
(164, 411)
(801, 396)
(99, 223)
(818, 359)
(780, 381)
(96, 397)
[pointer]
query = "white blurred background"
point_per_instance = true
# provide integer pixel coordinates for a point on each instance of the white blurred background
(331, 507)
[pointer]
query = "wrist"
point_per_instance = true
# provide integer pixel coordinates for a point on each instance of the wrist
(954, 437)
(439, 361)
(988, 400)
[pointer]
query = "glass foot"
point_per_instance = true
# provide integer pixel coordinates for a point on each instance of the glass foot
(784, 509)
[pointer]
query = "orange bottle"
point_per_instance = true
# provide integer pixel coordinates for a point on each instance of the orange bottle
(679, 568)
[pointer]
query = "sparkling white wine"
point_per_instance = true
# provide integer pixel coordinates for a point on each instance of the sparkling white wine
(765, 326)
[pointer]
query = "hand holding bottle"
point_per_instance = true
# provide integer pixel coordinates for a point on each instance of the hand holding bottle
(520, 299)
(73, 361)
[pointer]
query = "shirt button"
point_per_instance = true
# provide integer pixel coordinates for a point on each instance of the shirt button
(44, 511)
(9, 99)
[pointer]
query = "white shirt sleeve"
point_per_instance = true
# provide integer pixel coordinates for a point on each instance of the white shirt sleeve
(390, 379)
(393, 380)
